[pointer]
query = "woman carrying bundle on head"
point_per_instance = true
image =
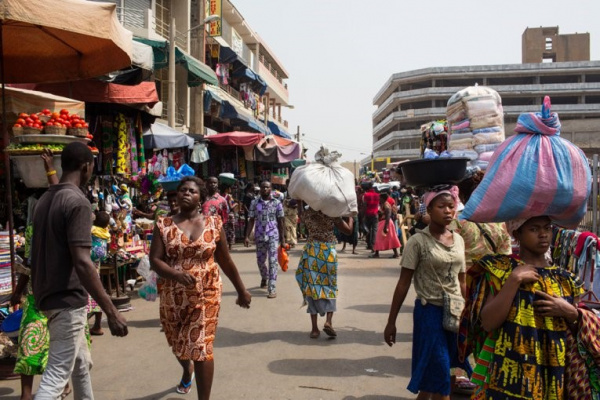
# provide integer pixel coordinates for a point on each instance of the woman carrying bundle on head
(435, 258)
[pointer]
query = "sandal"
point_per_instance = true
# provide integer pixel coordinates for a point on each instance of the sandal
(328, 329)
(464, 386)
(184, 388)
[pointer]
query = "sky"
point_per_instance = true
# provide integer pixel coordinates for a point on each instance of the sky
(340, 53)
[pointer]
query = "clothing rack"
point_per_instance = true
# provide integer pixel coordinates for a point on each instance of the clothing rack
(578, 252)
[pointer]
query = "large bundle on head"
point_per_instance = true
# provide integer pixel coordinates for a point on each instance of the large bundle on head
(325, 185)
(533, 173)
(475, 123)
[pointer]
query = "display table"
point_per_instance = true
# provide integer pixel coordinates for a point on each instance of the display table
(116, 268)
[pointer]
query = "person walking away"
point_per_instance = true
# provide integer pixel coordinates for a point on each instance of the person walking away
(247, 201)
(319, 285)
(290, 213)
(387, 236)
(99, 254)
(371, 202)
(186, 252)
(435, 258)
(63, 273)
(266, 215)
(232, 207)
(215, 204)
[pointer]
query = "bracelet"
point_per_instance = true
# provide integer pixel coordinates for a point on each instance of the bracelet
(50, 173)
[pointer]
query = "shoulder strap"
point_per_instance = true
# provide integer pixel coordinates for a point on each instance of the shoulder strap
(487, 237)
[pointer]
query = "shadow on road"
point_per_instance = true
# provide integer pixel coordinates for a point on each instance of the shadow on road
(380, 308)
(145, 323)
(5, 392)
(160, 395)
(382, 367)
(346, 335)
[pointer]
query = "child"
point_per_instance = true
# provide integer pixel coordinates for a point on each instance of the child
(436, 258)
(520, 320)
(100, 238)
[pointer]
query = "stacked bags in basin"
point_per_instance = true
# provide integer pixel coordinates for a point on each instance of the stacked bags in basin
(475, 123)
(325, 185)
(533, 173)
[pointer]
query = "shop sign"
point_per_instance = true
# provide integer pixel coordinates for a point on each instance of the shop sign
(214, 7)
(237, 44)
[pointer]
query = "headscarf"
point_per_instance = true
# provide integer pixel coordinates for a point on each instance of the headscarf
(439, 190)
(515, 224)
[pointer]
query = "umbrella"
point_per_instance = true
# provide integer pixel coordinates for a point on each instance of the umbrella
(61, 40)
(56, 40)
(161, 136)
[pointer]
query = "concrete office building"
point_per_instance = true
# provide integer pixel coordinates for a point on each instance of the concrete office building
(553, 64)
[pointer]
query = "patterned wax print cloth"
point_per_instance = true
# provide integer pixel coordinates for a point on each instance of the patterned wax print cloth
(525, 357)
(216, 205)
(265, 214)
(189, 315)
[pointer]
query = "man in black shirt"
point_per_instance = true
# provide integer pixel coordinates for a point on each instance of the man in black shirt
(63, 273)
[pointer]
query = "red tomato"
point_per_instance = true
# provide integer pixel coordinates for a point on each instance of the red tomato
(17, 125)
(67, 124)
(28, 121)
(64, 111)
(55, 115)
(49, 123)
(77, 126)
(20, 121)
(23, 115)
(85, 125)
(33, 116)
(45, 111)
(37, 126)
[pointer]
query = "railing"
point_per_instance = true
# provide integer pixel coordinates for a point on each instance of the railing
(234, 93)
(272, 70)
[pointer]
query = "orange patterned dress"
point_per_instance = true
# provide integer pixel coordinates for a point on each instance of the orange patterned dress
(189, 315)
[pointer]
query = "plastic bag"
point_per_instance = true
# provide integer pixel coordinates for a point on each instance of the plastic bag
(148, 291)
(533, 173)
(325, 186)
(282, 258)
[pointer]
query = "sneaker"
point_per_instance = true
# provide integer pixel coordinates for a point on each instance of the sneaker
(263, 283)
(272, 295)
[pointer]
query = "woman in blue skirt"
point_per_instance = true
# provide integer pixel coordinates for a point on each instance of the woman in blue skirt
(435, 258)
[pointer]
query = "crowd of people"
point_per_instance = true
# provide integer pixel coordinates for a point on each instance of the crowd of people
(517, 333)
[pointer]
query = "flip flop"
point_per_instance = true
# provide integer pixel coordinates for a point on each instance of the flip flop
(185, 387)
(328, 329)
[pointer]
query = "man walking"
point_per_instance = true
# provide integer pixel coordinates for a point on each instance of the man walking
(266, 215)
(63, 274)
(371, 202)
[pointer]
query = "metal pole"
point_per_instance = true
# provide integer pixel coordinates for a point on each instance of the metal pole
(7, 173)
(200, 100)
(298, 134)
(595, 194)
(172, 103)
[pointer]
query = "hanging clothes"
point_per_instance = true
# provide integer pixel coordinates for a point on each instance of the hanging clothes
(199, 153)
(121, 128)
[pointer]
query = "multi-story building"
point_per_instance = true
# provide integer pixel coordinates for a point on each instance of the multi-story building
(199, 49)
(554, 65)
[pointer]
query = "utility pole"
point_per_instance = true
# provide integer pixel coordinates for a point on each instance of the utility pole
(172, 100)
(298, 134)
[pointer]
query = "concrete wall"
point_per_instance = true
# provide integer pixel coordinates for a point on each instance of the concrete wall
(569, 47)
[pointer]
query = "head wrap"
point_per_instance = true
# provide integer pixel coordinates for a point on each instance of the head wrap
(439, 190)
(515, 224)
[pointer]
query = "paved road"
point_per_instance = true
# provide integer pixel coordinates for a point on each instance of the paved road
(266, 352)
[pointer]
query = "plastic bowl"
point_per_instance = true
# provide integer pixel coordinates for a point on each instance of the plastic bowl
(31, 169)
(169, 186)
(425, 173)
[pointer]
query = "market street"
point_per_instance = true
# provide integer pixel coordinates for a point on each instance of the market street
(266, 352)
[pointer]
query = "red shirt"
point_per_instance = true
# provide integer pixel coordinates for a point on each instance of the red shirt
(371, 200)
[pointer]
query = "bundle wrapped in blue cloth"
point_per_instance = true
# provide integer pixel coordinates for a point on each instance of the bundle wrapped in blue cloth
(171, 180)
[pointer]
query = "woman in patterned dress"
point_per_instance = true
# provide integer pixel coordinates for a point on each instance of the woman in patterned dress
(187, 250)
(317, 271)
(521, 321)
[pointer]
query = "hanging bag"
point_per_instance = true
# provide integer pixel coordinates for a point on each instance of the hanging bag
(452, 309)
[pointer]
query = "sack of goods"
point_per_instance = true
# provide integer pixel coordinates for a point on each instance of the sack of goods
(325, 185)
(475, 123)
(533, 173)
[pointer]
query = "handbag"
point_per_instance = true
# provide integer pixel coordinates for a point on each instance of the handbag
(488, 238)
(453, 307)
